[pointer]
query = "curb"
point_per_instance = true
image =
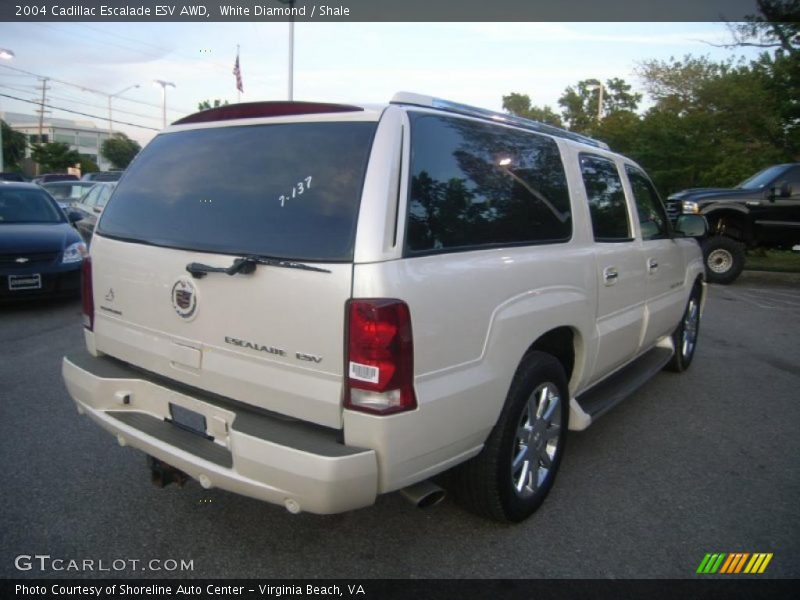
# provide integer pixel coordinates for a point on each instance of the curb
(773, 277)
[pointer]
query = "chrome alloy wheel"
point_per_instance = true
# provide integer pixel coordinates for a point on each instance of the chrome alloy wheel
(720, 260)
(691, 320)
(536, 441)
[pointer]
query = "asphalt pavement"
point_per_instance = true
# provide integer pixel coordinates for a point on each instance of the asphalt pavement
(706, 461)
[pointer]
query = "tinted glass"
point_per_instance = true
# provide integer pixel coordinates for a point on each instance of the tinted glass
(606, 199)
(91, 196)
(652, 216)
(28, 206)
(288, 190)
(476, 184)
(762, 178)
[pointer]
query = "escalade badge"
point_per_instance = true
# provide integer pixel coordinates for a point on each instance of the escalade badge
(184, 299)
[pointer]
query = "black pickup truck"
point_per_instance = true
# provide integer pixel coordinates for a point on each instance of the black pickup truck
(762, 211)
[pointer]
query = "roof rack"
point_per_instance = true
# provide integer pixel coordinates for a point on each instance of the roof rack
(411, 98)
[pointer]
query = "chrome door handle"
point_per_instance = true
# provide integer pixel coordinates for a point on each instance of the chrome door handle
(652, 265)
(610, 275)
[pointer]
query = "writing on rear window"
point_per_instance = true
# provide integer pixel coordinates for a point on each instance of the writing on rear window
(297, 190)
(364, 372)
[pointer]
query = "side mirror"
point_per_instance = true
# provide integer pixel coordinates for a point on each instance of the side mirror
(694, 226)
(74, 216)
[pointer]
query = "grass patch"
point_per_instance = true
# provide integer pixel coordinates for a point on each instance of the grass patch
(784, 261)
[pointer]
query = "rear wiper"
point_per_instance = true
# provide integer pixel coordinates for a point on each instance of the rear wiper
(247, 264)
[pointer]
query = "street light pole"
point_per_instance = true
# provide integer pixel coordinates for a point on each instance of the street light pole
(6, 55)
(599, 101)
(291, 46)
(110, 97)
(164, 85)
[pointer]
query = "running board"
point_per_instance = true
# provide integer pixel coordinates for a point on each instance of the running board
(598, 400)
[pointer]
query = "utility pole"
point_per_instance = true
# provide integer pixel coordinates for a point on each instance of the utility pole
(5, 54)
(41, 112)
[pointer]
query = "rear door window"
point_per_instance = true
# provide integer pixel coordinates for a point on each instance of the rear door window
(476, 184)
(287, 190)
(606, 198)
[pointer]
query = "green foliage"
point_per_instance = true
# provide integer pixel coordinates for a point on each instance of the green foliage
(580, 103)
(55, 156)
(120, 150)
(520, 105)
(88, 165)
(206, 104)
(711, 123)
(14, 144)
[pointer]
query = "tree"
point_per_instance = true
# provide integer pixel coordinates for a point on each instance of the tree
(205, 104)
(776, 27)
(520, 105)
(580, 103)
(55, 156)
(120, 150)
(88, 165)
(14, 145)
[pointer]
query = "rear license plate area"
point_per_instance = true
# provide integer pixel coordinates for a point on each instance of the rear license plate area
(188, 420)
(25, 282)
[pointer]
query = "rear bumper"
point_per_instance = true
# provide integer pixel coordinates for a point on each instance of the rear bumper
(287, 462)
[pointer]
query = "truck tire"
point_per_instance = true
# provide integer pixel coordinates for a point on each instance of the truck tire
(512, 475)
(723, 258)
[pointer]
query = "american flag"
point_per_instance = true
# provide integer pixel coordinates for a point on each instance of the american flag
(238, 73)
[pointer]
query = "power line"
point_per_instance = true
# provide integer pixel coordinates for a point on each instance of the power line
(87, 89)
(78, 112)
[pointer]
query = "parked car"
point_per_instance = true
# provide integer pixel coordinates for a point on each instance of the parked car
(373, 295)
(762, 211)
(49, 177)
(8, 176)
(67, 192)
(102, 176)
(40, 251)
(91, 204)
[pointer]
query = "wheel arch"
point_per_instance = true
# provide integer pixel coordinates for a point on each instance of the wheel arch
(730, 221)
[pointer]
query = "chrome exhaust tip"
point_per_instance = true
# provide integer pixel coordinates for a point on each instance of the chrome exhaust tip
(423, 494)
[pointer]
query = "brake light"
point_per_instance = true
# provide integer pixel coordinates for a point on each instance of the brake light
(86, 293)
(380, 357)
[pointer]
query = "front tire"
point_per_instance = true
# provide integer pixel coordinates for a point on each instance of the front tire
(723, 258)
(684, 338)
(514, 472)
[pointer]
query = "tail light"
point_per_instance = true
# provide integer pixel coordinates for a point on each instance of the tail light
(380, 357)
(86, 293)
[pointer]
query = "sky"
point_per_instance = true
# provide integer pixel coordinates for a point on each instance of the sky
(471, 63)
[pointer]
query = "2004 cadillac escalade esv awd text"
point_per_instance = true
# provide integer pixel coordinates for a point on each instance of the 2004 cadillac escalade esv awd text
(313, 304)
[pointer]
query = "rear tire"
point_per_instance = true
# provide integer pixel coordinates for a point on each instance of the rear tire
(514, 472)
(684, 338)
(723, 258)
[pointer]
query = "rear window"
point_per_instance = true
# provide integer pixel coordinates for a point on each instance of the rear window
(287, 190)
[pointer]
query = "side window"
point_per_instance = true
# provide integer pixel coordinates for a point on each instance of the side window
(104, 195)
(652, 216)
(606, 198)
(477, 184)
(793, 179)
(91, 197)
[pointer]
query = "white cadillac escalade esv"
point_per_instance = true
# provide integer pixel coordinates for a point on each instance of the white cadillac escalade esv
(313, 304)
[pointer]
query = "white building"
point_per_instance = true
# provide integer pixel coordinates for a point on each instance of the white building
(83, 136)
